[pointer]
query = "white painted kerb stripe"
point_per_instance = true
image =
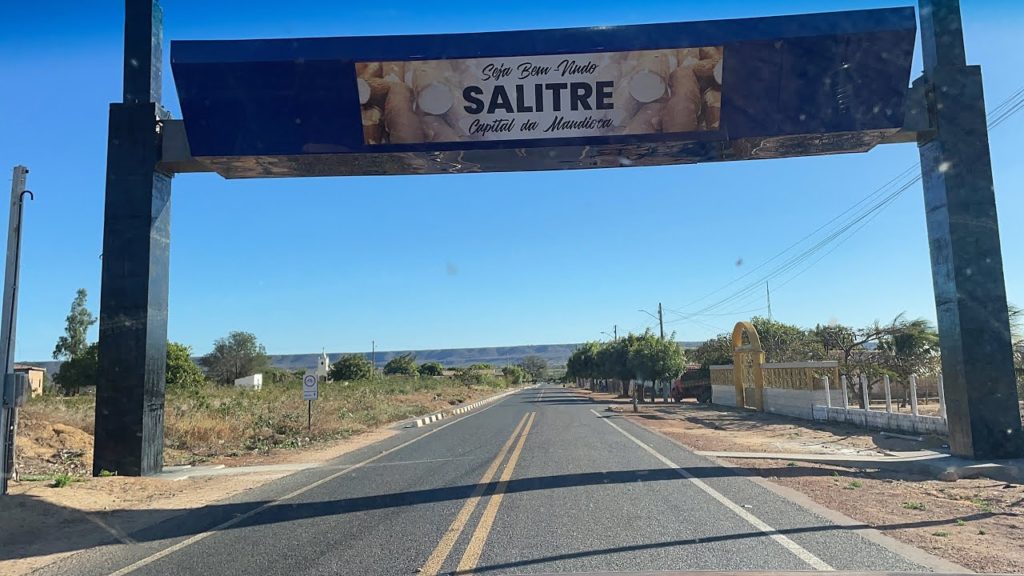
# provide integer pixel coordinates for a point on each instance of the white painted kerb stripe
(796, 549)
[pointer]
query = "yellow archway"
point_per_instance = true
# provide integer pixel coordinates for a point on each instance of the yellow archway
(747, 358)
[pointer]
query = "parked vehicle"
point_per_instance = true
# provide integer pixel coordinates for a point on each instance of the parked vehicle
(694, 382)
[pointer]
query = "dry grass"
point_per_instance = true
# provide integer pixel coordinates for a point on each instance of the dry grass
(215, 421)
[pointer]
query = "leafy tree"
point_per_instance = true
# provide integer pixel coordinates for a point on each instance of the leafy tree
(238, 355)
(534, 366)
(912, 350)
(79, 371)
(351, 367)
(582, 363)
(514, 374)
(714, 352)
(785, 342)
(431, 369)
(481, 367)
(613, 362)
(655, 359)
(182, 372)
(1017, 336)
(74, 343)
(403, 364)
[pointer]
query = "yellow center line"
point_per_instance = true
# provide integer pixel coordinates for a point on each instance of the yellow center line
(476, 543)
(444, 547)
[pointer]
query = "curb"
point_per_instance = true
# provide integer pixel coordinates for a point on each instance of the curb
(420, 422)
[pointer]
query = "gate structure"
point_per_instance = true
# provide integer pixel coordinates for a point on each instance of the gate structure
(747, 361)
(674, 93)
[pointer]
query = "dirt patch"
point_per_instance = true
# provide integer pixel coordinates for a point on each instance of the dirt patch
(978, 524)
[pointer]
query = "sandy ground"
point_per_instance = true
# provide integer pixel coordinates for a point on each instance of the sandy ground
(978, 524)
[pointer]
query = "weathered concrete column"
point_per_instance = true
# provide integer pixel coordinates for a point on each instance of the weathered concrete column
(963, 236)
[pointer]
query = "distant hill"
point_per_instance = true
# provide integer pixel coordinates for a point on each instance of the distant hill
(555, 354)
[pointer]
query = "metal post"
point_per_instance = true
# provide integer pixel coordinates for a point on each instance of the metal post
(865, 392)
(888, 393)
(309, 417)
(9, 415)
(136, 243)
(963, 236)
(828, 391)
(846, 393)
(913, 395)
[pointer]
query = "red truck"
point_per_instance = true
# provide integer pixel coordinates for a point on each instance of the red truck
(694, 382)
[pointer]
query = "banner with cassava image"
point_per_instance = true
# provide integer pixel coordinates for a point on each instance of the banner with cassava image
(529, 97)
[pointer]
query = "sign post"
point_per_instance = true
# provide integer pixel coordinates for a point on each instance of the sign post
(310, 392)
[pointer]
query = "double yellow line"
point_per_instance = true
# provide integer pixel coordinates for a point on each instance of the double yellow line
(476, 542)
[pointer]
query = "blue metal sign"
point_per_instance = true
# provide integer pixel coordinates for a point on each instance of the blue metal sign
(549, 99)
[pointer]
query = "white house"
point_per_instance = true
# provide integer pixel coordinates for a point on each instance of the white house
(254, 382)
(323, 367)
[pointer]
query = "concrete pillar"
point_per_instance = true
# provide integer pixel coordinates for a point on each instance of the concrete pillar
(136, 244)
(963, 237)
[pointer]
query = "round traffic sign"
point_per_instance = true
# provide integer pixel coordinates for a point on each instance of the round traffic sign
(309, 381)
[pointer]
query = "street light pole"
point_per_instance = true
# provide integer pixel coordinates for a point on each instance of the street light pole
(660, 318)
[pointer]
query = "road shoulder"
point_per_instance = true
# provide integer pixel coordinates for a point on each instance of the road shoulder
(943, 526)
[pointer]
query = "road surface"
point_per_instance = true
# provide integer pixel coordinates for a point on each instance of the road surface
(541, 481)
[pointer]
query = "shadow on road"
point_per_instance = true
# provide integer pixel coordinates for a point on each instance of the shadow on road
(165, 524)
(706, 540)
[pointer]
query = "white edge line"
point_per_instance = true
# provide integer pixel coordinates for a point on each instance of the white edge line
(796, 549)
(203, 535)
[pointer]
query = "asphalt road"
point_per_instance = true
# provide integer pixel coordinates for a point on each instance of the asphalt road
(541, 481)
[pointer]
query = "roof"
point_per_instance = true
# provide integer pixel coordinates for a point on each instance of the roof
(28, 368)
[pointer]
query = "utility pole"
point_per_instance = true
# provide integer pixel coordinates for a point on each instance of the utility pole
(768, 292)
(373, 357)
(8, 412)
(661, 322)
(615, 331)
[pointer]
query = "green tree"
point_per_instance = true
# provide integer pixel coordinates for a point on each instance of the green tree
(534, 366)
(182, 372)
(514, 374)
(613, 362)
(403, 364)
(914, 349)
(714, 352)
(78, 372)
(651, 358)
(1017, 337)
(238, 355)
(351, 367)
(785, 342)
(74, 341)
(481, 367)
(582, 363)
(431, 369)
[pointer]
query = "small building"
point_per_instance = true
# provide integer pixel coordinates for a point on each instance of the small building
(36, 377)
(323, 367)
(254, 382)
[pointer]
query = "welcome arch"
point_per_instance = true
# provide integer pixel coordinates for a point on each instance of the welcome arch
(673, 93)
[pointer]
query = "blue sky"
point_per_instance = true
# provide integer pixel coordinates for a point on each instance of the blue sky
(465, 260)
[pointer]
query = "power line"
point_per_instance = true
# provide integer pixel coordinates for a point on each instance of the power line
(1010, 106)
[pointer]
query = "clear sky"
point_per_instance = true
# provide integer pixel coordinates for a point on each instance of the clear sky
(466, 260)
